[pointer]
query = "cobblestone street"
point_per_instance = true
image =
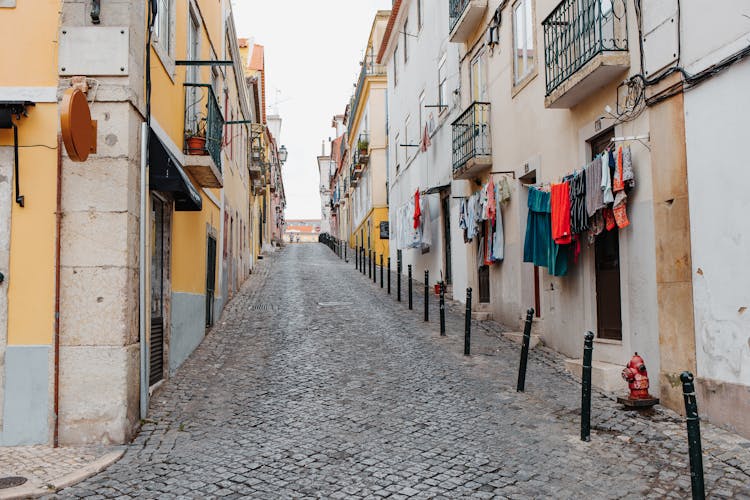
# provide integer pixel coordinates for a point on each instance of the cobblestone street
(316, 383)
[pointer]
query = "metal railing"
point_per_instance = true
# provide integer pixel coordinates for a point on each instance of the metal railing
(203, 120)
(369, 68)
(471, 134)
(578, 30)
(455, 9)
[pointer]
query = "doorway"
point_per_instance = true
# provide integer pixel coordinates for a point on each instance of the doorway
(210, 279)
(159, 285)
(444, 204)
(607, 266)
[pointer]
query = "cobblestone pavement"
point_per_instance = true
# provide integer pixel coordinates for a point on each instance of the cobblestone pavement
(316, 383)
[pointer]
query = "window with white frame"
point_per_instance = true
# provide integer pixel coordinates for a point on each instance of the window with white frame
(397, 153)
(421, 118)
(523, 40)
(407, 137)
(406, 40)
(442, 85)
(478, 78)
(395, 65)
(163, 25)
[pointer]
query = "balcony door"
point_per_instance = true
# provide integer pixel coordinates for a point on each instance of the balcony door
(192, 96)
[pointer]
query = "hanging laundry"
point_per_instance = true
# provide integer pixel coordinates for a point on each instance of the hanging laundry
(539, 247)
(425, 142)
(628, 176)
(426, 224)
(619, 210)
(609, 219)
(501, 196)
(594, 193)
(417, 210)
(618, 184)
(607, 195)
(560, 213)
(579, 219)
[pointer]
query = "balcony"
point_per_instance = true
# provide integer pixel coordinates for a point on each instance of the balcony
(204, 126)
(464, 18)
(369, 68)
(472, 142)
(585, 48)
(362, 153)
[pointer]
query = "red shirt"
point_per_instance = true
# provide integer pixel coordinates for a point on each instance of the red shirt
(560, 208)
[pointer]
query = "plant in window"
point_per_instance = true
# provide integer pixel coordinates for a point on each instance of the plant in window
(362, 145)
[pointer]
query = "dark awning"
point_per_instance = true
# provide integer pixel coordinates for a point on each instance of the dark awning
(437, 189)
(166, 174)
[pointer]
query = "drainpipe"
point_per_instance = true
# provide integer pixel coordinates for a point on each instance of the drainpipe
(58, 232)
(142, 274)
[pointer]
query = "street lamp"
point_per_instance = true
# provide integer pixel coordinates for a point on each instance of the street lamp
(283, 153)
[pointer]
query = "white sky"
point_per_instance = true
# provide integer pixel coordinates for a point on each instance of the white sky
(313, 49)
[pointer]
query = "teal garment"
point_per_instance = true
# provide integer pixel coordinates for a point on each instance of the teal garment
(539, 247)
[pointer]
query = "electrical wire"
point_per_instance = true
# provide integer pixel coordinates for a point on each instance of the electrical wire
(37, 146)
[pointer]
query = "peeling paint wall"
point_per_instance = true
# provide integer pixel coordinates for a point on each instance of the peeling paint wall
(717, 137)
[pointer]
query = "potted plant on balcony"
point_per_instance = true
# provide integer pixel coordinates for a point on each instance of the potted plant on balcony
(362, 146)
(196, 138)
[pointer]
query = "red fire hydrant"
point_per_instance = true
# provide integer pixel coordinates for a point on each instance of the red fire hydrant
(636, 376)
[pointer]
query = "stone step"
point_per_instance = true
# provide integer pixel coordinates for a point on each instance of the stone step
(604, 376)
(481, 315)
(517, 337)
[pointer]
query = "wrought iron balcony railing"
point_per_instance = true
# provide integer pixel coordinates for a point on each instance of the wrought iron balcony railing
(576, 31)
(455, 9)
(369, 68)
(204, 123)
(471, 135)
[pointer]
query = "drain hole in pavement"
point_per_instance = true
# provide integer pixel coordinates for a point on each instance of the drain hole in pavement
(11, 481)
(262, 307)
(334, 304)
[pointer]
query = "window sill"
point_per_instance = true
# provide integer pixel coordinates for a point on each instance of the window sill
(598, 340)
(166, 60)
(518, 87)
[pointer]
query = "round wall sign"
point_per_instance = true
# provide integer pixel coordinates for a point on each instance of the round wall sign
(78, 129)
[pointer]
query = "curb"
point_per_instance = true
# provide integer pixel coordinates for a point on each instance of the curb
(85, 472)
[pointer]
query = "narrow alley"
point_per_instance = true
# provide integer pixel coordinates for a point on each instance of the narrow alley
(317, 383)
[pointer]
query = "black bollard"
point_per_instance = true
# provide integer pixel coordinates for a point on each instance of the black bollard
(525, 351)
(467, 324)
(588, 348)
(410, 286)
(346, 259)
(381, 270)
(426, 295)
(398, 279)
(389, 275)
(356, 257)
(442, 309)
(694, 436)
(374, 268)
(362, 260)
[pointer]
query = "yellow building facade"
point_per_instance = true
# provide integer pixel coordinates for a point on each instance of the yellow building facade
(112, 268)
(366, 180)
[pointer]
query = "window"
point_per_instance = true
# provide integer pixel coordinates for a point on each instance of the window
(523, 40)
(419, 14)
(421, 120)
(442, 79)
(396, 154)
(406, 138)
(406, 41)
(162, 25)
(478, 79)
(395, 66)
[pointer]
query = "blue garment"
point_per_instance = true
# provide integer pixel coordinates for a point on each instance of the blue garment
(539, 247)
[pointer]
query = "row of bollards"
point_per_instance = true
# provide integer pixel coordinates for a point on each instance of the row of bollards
(688, 388)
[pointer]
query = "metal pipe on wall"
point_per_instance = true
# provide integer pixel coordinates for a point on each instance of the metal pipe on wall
(142, 313)
(58, 233)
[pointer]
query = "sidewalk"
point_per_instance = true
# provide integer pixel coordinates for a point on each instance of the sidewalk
(48, 469)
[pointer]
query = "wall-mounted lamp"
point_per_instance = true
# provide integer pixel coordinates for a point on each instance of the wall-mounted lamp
(283, 154)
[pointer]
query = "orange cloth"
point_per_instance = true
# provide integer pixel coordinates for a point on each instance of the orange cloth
(617, 183)
(609, 219)
(560, 208)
